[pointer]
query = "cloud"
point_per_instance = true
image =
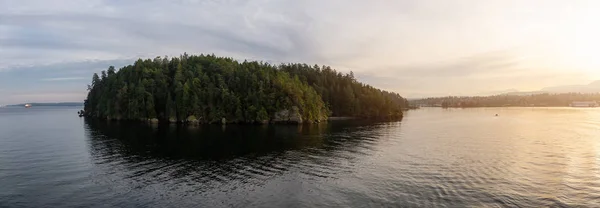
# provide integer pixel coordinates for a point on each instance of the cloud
(51, 82)
(472, 75)
(63, 79)
(495, 63)
(409, 46)
(72, 35)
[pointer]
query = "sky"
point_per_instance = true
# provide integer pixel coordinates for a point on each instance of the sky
(418, 48)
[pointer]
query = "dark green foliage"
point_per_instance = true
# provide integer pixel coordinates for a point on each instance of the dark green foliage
(347, 97)
(211, 88)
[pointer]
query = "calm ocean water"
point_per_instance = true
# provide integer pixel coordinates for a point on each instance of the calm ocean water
(525, 157)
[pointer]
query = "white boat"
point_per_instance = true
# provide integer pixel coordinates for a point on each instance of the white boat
(27, 105)
(584, 104)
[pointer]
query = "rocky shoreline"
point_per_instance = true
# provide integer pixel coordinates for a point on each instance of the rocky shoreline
(288, 116)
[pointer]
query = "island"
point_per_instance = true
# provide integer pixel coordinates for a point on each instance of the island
(194, 89)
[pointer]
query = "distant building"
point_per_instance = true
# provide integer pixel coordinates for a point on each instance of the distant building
(584, 104)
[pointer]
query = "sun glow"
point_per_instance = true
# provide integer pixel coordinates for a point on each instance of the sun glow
(578, 42)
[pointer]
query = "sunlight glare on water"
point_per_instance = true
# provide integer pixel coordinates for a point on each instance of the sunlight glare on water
(525, 157)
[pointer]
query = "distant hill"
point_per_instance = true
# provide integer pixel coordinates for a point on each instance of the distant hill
(74, 104)
(525, 93)
(593, 87)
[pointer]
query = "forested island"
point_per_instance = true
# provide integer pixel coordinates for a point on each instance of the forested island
(210, 89)
(539, 100)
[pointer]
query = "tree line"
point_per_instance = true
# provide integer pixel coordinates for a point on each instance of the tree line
(207, 89)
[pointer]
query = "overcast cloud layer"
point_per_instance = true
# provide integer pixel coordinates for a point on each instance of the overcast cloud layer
(49, 49)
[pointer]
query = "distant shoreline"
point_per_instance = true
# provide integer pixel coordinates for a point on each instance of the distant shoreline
(61, 104)
(562, 106)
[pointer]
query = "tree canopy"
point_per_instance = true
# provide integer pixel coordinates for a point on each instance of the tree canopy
(207, 89)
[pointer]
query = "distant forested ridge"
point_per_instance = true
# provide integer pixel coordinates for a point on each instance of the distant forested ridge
(208, 89)
(544, 99)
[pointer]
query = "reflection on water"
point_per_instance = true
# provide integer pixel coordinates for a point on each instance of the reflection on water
(204, 142)
(524, 157)
(204, 159)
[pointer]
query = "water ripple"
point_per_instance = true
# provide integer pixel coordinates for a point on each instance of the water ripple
(433, 158)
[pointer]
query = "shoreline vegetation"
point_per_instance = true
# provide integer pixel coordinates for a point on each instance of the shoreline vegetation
(205, 89)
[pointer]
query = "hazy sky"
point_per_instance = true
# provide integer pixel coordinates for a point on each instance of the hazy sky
(49, 49)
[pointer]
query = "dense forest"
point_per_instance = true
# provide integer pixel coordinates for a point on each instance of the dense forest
(545, 99)
(209, 89)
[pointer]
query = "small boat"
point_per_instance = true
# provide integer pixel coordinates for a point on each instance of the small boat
(27, 105)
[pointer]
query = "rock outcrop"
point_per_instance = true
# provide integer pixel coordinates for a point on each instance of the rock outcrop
(288, 116)
(192, 120)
